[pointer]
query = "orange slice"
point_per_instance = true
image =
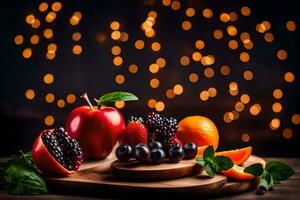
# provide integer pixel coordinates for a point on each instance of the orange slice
(237, 173)
(238, 156)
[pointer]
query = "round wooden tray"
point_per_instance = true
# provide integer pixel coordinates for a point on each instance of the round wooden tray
(97, 179)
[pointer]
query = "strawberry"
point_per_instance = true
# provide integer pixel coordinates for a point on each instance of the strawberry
(134, 133)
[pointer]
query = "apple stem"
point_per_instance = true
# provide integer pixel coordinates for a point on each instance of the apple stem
(86, 98)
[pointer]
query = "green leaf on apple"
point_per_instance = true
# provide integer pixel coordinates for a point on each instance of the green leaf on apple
(112, 97)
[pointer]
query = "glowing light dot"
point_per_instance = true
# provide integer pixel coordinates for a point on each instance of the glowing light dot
(233, 44)
(245, 11)
(269, 37)
(204, 95)
(150, 33)
(207, 13)
(34, 39)
(154, 68)
(48, 78)
(199, 44)
(281, 54)
(30, 19)
(236, 114)
(43, 7)
(233, 16)
(296, 119)
(233, 86)
(277, 93)
(291, 26)
(120, 79)
(245, 37)
(245, 137)
(245, 98)
(118, 61)
(29, 94)
(178, 89)
(124, 37)
(190, 12)
(239, 106)
(71, 98)
(115, 35)
(159, 106)
(255, 109)
(228, 117)
(196, 56)
(61, 103)
(184, 60)
(225, 70)
(166, 2)
(209, 72)
(133, 68)
(231, 30)
(77, 49)
(36, 24)
(218, 34)
(161, 62)
(49, 120)
(276, 107)
(267, 25)
(233, 92)
(170, 94)
(212, 92)
(116, 50)
(52, 47)
(186, 25)
(151, 103)
(175, 5)
(139, 44)
(287, 133)
(224, 17)
(76, 36)
(289, 77)
(50, 17)
(207, 60)
(244, 57)
(27, 52)
(193, 77)
(120, 104)
(50, 98)
(56, 6)
(48, 33)
(274, 124)
(154, 83)
(50, 55)
(152, 13)
(19, 39)
(248, 75)
(155, 46)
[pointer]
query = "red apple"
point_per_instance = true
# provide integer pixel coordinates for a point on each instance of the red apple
(96, 129)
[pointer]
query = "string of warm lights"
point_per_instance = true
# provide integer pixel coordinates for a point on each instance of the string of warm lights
(238, 41)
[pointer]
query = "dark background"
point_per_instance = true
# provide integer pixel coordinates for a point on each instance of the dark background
(93, 71)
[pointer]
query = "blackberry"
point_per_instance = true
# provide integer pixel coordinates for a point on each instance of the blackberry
(63, 148)
(136, 119)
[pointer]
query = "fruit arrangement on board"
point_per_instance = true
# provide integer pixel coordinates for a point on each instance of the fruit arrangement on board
(91, 132)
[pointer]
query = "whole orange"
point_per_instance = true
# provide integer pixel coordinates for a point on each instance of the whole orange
(199, 130)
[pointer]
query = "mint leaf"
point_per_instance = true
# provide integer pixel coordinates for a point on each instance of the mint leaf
(255, 169)
(116, 96)
(223, 162)
(211, 173)
(279, 170)
(200, 161)
(209, 153)
(19, 180)
(266, 180)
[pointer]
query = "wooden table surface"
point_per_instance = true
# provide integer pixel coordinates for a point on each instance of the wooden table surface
(287, 190)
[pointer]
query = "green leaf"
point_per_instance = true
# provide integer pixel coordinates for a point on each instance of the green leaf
(255, 169)
(19, 180)
(223, 162)
(279, 170)
(209, 170)
(208, 154)
(266, 180)
(116, 96)
(200, 161)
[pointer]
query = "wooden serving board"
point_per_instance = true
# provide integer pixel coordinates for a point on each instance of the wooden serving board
(96, 179)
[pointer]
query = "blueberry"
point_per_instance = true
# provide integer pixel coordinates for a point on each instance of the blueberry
(142, 153)
(261, 190)
(176, 154)
(155, 145)
(157, 156)
(190, 150)
(124, 152)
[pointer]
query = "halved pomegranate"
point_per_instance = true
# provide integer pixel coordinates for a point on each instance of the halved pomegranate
(55, 152)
